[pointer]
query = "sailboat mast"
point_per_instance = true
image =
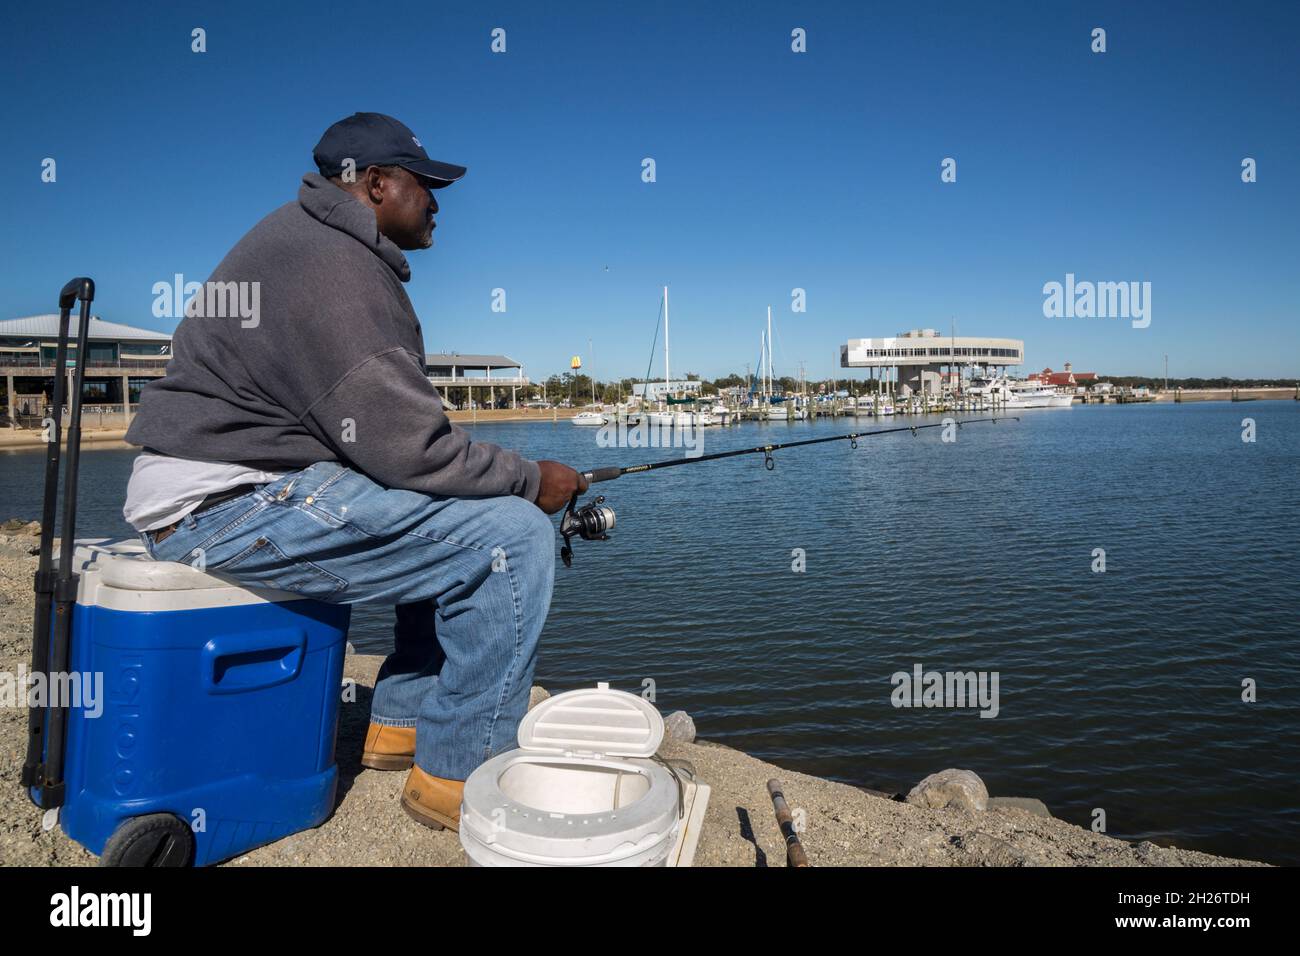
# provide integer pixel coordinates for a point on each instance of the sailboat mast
(667, 377)
(769, 350)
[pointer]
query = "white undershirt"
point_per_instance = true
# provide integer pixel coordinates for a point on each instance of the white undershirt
(163, 489)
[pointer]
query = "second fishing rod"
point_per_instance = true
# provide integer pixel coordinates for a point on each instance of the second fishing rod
(593, 520)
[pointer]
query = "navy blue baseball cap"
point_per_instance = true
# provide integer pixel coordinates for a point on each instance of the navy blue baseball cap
(373, 139)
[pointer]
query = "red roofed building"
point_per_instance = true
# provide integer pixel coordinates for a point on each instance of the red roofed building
(1068, 377)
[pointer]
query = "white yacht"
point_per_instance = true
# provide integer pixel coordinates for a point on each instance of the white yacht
(1015, 394)
(785, 411)
(1033, 393)
(666, 418)
(872, 405)
(589, 418)
(704, 417)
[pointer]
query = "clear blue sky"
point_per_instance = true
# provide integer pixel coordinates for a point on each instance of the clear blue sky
(775, 170)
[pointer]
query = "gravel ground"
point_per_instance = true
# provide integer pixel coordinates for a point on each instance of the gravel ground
(845, 826)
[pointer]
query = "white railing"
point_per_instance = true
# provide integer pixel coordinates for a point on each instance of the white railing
(463, 380)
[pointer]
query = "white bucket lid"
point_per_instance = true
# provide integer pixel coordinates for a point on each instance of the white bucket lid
(595, 721)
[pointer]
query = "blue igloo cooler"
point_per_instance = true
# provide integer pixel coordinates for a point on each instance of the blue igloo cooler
(218, 717)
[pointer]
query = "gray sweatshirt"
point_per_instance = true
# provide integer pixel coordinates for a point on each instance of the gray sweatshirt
(329, 368)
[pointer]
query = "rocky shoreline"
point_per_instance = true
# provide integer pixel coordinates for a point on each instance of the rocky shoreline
(947, 820)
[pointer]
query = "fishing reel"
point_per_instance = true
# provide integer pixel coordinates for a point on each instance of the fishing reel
(590, 522)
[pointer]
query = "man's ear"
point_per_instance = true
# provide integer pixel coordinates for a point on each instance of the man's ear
(374, 182)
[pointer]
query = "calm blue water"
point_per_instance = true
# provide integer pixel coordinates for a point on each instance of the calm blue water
(1119, 690)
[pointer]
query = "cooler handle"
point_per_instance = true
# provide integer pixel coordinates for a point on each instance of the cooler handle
(237, 663)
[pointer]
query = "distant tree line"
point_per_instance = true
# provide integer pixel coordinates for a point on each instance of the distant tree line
(1157, 381)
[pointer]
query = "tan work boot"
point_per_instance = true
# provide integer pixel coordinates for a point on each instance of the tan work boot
(433, 801)
(389, 748)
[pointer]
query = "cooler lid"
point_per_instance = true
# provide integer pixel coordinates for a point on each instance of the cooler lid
(121, 576)
(593, 721)
(125, 564)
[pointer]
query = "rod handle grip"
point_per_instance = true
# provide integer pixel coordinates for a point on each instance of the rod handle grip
(602, 474)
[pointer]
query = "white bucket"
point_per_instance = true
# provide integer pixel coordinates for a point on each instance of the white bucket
(580, 790)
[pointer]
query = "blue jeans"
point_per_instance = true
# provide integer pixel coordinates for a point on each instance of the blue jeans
(471, 579)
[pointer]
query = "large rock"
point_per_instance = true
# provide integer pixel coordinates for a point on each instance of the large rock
(951, 789)
(679, 726)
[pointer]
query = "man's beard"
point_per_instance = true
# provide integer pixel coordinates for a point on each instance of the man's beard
(412, 241)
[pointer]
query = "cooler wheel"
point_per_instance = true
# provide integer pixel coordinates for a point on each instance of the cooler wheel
(158, 839)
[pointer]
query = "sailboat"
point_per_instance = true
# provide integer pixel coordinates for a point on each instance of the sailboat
(775, 408)
(666, 417)
(662, 417)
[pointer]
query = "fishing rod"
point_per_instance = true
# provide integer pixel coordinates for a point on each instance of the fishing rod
(593, 520)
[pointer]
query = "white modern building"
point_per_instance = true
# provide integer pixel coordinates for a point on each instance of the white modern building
(921, 360)
(657, 391)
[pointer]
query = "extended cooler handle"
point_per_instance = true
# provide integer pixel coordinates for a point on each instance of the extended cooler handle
(238, 663)
(82, 288)
(56, 589)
